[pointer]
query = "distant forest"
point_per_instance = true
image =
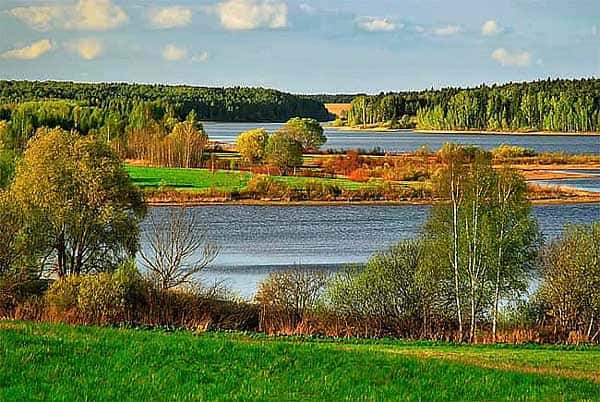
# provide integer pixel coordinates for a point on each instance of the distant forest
(549, 105)
(209, 104)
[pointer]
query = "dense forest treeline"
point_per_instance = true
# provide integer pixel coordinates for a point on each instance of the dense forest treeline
(549, 105)
(213, 104)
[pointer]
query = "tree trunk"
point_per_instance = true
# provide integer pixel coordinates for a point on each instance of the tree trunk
(455, 260)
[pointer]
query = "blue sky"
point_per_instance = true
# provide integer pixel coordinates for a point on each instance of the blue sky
(303, 46)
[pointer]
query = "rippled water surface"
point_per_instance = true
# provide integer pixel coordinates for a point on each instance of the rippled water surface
(256, 240)
(405, 141)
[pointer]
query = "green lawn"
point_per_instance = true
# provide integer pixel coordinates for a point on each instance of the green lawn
(187, 179)
(225, 180)
(57, 362)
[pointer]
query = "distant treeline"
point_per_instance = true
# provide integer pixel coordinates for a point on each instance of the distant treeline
(550, 105)
(214, 104)
(339, 98)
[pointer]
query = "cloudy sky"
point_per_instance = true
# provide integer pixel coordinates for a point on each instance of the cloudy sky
(304, 46)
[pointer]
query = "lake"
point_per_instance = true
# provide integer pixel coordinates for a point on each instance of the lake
(405, 141)
(256, 240)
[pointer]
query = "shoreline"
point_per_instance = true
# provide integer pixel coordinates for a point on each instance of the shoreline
(580, 199)
(466, 132)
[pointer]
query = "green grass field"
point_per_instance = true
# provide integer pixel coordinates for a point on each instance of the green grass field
(225, 180)
(57, 362)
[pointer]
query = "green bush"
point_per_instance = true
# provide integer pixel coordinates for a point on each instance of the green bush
(266, 186)
(512, 151)
(63, 294)
(100, 298)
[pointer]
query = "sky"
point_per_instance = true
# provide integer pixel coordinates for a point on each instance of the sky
(301, 46)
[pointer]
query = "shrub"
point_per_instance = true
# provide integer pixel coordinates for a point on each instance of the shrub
(265, 186)
(99, 298)
(62, 295)
(512, 151)
(359, 175)
(318, 190)
(286, 296)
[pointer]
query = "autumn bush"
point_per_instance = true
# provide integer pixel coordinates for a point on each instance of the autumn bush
(359, 175)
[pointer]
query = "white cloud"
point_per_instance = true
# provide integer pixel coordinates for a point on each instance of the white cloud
(40, 18)
(30, 52)
(374, 24)
(448, 30)
(253, 14)
(174, 53)
(595, 30)
(201, 57)
(92, 15)
(512, 58)
(491, 28)
(171, 17)
(88, 48)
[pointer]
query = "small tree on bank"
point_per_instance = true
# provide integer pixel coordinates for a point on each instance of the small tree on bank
(308, 132)
(251, 145)
(283, 152)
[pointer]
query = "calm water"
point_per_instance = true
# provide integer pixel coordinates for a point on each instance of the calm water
(256, 240)
(410, 141)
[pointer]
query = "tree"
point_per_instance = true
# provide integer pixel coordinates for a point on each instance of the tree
(514, 236)
(283, 152)
(187, 143)
(19, 253)
(308, 132)
(251, 145)
(177, 248)
(571, 279)
(81, 198)
(485, 234)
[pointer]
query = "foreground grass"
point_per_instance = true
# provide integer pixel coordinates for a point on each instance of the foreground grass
(45, 361)
(223, 180)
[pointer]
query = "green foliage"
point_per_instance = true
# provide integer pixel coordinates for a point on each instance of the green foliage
(283, 152)
(570, 285)
(485, 239)
(212, 104)
(78, 194)
(8, 164)
(308, 132)
(266, 186)
(156, 365)
(387, 288)
(512, 151)
(251, 145)
(100, 298)
(551, 105)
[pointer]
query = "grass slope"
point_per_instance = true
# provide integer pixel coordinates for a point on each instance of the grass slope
(225, 180)
(57, 362)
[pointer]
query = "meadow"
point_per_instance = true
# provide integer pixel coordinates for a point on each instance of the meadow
(223, 180)
(59, 362)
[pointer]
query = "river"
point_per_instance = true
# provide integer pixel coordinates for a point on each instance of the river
(405, 141)
(255, 240)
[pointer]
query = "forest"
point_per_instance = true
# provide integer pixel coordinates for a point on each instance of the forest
(210, 104)
(551, 105)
